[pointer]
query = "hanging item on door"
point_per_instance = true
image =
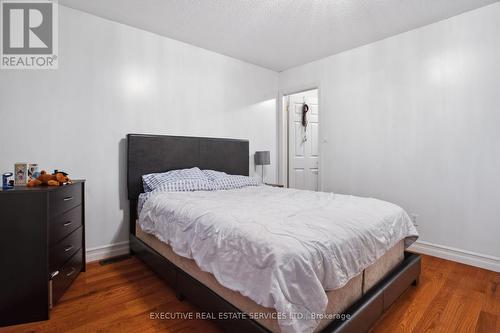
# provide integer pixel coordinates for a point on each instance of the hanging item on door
(305, 109)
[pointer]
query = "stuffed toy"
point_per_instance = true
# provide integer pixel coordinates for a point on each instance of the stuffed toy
(56, 179)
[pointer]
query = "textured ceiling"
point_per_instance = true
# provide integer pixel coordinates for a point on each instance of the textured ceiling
(276, 34)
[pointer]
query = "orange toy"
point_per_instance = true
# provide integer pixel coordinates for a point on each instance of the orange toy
(45, 178)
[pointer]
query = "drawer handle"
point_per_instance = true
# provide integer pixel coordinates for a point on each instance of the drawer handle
(67, 224)
(73, 270)
(68, 248)
(68, 199)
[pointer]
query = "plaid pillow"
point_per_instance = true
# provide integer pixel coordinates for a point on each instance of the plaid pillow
(192, 178)
(182, 185)
(223, 181)
(186, 185)
(213, 175)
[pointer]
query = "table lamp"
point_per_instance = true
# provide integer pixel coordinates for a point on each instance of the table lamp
(262, 158)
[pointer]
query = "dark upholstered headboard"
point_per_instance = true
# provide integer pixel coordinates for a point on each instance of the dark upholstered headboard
(159, 153)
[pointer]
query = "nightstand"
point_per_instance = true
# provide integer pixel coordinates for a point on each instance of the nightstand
(42, 248)
(274, 185)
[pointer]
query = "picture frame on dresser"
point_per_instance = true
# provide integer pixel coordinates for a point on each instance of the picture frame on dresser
(42, 248)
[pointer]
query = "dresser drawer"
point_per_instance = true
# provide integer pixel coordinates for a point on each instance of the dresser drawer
(62, 251)
(65, 198)
(62, 225)
(65, 276)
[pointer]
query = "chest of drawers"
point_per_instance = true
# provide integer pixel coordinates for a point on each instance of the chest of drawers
(42, 248)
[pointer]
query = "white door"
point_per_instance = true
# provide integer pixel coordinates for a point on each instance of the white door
(303, 147)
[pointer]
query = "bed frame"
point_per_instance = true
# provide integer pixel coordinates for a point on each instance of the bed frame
(157, 153)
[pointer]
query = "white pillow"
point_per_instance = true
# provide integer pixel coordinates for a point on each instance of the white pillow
(188, 179)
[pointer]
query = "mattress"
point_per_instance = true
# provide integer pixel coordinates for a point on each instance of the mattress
(338, 300)
(282, 248)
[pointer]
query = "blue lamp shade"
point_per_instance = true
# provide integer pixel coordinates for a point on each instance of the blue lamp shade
(262, 157)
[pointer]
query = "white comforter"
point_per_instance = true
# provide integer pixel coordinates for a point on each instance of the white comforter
(280, 247)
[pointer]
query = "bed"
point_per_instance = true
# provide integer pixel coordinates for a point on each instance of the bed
(353, 306)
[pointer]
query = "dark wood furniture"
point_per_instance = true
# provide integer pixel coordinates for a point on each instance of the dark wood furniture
(155, 153)
(42, 248)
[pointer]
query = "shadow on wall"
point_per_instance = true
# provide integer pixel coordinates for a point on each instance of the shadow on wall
(122, 187)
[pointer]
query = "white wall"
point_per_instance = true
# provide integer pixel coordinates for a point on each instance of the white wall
(113, 80)
(415, 119)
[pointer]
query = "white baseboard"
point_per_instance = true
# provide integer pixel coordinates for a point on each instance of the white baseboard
(485, 261)
(107, 251)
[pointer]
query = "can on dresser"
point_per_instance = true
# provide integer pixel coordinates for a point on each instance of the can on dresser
(20, 174)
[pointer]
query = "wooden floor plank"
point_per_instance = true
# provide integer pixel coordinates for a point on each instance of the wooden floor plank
(450, 298)
(406, 313)
(486, 323)
(120, 297)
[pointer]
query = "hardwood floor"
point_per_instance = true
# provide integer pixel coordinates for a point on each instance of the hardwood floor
(119, 297)
(451, 297)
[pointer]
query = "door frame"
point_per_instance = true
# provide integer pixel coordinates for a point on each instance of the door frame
(283, 150)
